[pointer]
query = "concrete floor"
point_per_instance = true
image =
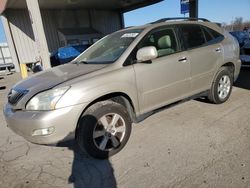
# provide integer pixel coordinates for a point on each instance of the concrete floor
(194, 144)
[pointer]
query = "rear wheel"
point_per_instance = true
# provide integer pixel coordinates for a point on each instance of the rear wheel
(104, 129)
(221, 87)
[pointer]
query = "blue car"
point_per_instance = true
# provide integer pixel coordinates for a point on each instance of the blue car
(241, 36)
(244, 42)
(66, 54)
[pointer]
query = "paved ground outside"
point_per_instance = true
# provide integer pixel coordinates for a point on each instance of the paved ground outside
(194, 144)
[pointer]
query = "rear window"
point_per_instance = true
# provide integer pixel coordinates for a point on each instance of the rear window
(197, 35)
(192, 36)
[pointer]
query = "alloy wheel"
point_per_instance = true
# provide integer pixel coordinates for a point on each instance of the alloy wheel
(109, 132)
(224, 87)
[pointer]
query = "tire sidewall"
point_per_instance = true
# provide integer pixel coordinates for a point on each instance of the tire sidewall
(88, 122)
(222, 73)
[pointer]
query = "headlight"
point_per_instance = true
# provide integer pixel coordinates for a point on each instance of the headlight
(46, 100)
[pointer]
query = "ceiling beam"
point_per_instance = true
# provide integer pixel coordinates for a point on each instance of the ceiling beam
(139, 5)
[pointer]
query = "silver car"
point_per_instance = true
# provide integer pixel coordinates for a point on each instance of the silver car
(120, 80)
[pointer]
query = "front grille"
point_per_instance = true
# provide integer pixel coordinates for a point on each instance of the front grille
(15, 95)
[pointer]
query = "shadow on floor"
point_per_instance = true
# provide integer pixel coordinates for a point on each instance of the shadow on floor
(243, 80)
(203, 100)
(88, 172)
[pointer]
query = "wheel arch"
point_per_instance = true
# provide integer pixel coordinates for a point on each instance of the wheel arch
(230, 66)
(119, 97)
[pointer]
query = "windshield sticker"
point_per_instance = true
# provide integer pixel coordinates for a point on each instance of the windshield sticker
(129, 35)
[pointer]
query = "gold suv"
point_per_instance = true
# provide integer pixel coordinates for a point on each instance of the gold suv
(121, 79)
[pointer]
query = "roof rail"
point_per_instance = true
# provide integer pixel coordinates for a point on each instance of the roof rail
(180, 18)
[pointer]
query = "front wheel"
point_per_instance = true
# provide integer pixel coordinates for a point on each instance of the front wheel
(104, 129)
(221, 87)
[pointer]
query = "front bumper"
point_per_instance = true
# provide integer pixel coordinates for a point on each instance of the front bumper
(63, 121)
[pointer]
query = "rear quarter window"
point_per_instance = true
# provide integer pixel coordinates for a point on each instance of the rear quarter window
(217, 37)
(208, 36)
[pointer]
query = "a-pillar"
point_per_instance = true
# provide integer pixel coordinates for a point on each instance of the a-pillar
(38, 30)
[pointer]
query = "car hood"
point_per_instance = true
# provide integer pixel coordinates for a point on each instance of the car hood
(57, 75)
(50, 78)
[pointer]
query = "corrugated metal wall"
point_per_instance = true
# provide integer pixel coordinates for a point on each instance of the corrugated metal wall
(5, 56)
(103, 21)
(22, 33)
(50, 29)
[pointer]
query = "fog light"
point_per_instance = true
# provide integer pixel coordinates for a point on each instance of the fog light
(43, 132)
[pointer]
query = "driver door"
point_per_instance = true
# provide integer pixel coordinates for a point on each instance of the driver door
(167, 78)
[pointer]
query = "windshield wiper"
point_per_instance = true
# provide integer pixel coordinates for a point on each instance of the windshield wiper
(81, 62)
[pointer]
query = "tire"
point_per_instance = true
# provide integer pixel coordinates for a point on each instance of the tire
(221, 87)
(98, 135)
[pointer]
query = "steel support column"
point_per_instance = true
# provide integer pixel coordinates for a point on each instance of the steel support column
(193, 8)
(38, 30)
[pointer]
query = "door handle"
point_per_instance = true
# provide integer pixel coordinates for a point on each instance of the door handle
(218, 50)
(183, 60)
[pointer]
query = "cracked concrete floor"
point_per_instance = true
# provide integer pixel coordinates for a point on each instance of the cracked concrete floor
(194, 144)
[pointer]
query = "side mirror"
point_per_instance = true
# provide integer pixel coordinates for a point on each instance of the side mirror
(146, 54)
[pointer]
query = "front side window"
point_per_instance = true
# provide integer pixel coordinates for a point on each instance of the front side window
(163, 40)
(109, 49)
(192, 36)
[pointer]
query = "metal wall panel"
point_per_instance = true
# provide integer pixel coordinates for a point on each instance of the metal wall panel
(82, 18)
(50, 28)
(103, 21)
(20, 26)
(5, 56)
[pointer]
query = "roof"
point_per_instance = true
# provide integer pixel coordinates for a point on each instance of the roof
(176, 20)
(119, 5)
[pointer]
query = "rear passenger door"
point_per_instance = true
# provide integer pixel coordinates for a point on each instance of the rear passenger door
(205, 52)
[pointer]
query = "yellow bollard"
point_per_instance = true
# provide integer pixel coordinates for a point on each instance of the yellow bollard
(24, 72)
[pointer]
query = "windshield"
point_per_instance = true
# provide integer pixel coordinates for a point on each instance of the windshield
(108, 49)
